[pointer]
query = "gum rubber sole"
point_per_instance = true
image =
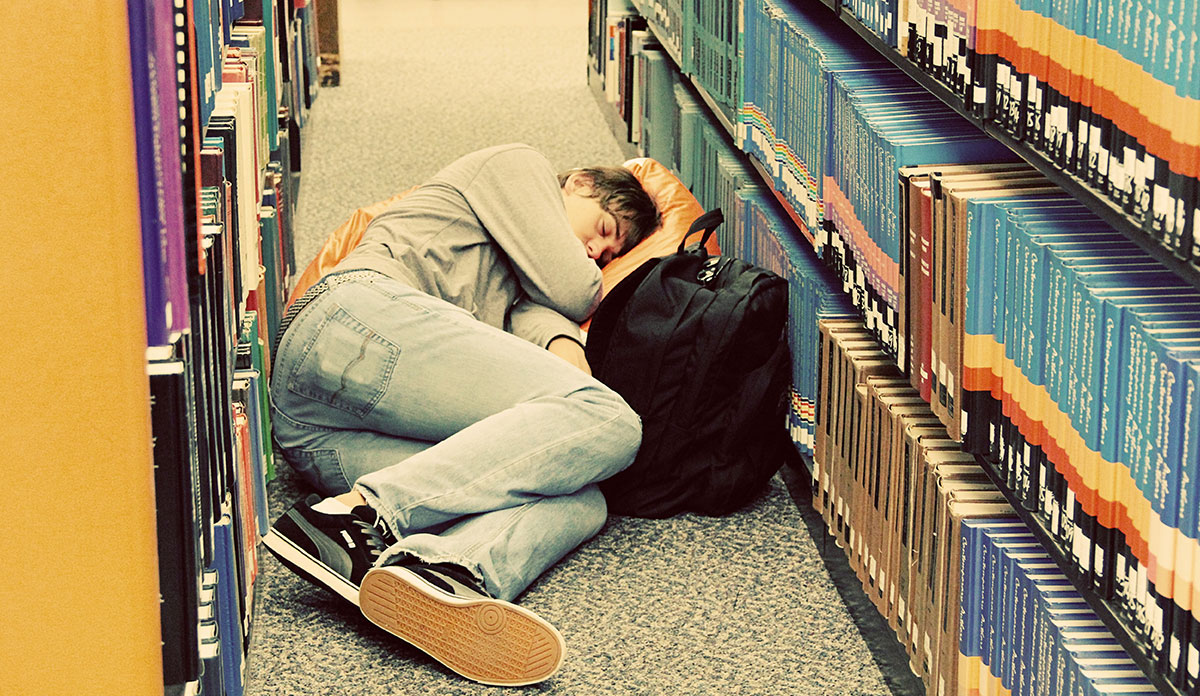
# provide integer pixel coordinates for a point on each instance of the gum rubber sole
(487, 640)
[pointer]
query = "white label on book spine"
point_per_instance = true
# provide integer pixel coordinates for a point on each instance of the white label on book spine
(1193, 661)
(1196, 238)
(1164, 209)
(1141, 591)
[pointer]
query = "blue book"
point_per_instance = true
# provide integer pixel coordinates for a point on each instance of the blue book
(972, 604)
(1087, 398)
(1068, 632)
(757, 133)
(1058, 603)
(212, 677)
(1003, 600)
(1123, 403)
(1190, 452)
(1059, 262)
(991, 588)
(1040, 585)
(1022, 566)
(1148, 440)
(229, 606)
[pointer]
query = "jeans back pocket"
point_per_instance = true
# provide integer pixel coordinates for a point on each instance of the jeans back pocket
(346, 365)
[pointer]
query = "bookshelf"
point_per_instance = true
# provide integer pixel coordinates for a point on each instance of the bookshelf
(611, 118)
(147, 197)
(1037, 168)
(81, 613)
(1137, 648)
(1062, 557)
(1097, 202)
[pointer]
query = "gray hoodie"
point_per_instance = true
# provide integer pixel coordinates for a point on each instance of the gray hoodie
(489, 233)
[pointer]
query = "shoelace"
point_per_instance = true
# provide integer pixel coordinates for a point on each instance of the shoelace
(366, 512)
(375, 542)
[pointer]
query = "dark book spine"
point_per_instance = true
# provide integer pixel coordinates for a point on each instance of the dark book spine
(178, 563)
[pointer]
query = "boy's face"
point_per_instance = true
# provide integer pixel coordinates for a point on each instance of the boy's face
(595, 227)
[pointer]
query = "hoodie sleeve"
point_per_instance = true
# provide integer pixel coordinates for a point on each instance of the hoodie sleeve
(516, 196)
(539, 324)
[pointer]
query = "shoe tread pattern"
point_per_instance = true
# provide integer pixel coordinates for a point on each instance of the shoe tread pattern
(485, 640)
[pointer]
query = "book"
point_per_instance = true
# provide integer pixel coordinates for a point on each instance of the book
(178, 522)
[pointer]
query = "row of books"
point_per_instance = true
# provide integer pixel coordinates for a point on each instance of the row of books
(831, 122)
(1025, 628)
(907, 506)
(1105, 90)
(212, 460)
(218, 143)
(1080, 368)
(244, 69)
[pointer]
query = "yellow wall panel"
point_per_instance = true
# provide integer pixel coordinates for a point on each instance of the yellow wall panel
(80, 581)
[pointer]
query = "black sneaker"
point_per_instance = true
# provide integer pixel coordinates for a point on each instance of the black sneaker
(441, 609)
(334, 551)
(369, 515)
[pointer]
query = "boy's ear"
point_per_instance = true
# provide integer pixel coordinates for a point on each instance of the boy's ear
(578, 183)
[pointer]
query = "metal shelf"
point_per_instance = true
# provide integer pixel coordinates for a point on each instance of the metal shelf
(1138, 651)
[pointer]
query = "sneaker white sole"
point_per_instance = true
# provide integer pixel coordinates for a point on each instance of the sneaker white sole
(304, 564)
(486, 640)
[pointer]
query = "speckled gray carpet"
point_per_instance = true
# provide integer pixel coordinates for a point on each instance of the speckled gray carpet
(743, 604)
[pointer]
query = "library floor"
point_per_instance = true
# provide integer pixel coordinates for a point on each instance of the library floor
(743, 604)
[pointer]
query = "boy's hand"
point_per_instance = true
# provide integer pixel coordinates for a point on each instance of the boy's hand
(571, 351)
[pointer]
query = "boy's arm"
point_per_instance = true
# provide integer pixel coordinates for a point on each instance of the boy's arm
(571, 351)
(540, 324)
(515, 194)
(549, 329)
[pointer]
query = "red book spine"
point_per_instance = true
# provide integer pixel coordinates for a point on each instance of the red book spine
(922, 359)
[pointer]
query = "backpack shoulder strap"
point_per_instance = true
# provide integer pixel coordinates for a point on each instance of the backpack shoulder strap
(604, 319)
(707, 222)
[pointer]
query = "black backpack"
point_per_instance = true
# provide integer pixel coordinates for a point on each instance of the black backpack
(696, 345)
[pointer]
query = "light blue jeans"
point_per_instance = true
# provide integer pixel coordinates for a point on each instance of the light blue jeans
(478, 447)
